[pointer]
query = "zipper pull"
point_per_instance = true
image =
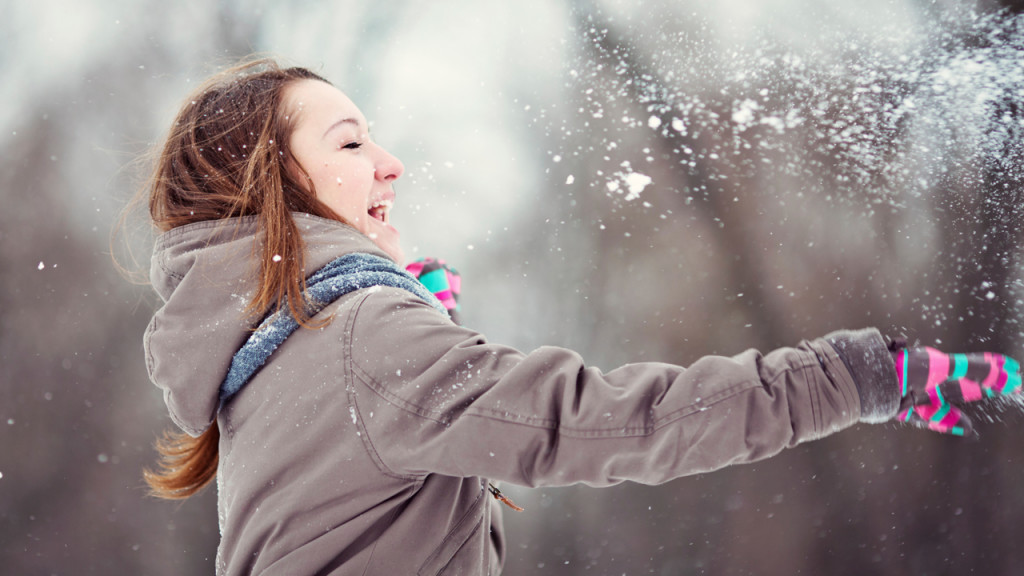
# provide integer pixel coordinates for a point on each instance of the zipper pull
(502, 498)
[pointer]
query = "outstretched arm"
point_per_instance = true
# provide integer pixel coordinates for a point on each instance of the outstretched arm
(432, 397)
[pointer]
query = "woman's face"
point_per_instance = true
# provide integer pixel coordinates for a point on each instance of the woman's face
(350, 173)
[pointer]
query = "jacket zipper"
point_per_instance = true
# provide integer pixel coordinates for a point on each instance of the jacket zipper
(502, 498)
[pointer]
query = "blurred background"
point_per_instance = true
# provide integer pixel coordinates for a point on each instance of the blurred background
(634, 180)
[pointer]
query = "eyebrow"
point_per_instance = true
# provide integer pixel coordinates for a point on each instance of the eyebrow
(339, 123)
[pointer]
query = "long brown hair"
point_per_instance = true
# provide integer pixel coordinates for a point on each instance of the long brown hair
(227, 155)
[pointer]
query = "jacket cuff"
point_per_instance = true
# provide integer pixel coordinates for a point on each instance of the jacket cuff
(866, 355)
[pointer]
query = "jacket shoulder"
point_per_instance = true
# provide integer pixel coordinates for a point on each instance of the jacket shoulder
(397, 343)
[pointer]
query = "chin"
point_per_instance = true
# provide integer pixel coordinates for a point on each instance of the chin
(387, 243)
(396, 254)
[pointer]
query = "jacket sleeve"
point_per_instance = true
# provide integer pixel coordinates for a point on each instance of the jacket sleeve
(432, 397)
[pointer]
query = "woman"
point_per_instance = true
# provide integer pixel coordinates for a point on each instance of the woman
(354, 428)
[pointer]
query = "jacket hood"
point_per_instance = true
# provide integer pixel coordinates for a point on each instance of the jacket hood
(205, 273)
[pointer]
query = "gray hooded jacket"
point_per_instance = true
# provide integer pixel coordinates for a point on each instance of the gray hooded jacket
(362, 447)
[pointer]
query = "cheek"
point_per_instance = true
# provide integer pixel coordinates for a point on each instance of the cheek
(342, 177)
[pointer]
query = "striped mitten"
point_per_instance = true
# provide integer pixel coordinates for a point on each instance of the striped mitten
(936, 385)
(442, 280)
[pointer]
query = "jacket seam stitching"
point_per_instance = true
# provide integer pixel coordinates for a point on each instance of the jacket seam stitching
(549, 424)
(391, 398)
(619, 431)
(371, 449)
(350, 374)
(807, 363)
(161, 261)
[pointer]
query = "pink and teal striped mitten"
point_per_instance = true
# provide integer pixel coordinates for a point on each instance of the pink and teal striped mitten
(441, 279)
(935, 385)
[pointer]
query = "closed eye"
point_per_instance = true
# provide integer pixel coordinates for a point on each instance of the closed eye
(352, 146)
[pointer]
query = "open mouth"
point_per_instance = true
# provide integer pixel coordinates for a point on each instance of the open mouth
(380, 210)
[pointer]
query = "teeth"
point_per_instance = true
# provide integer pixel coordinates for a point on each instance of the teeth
(380, 209)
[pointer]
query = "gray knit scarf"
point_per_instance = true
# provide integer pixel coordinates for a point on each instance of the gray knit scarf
(346, 274)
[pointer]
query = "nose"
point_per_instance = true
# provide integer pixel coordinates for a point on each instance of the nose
(388, 168)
